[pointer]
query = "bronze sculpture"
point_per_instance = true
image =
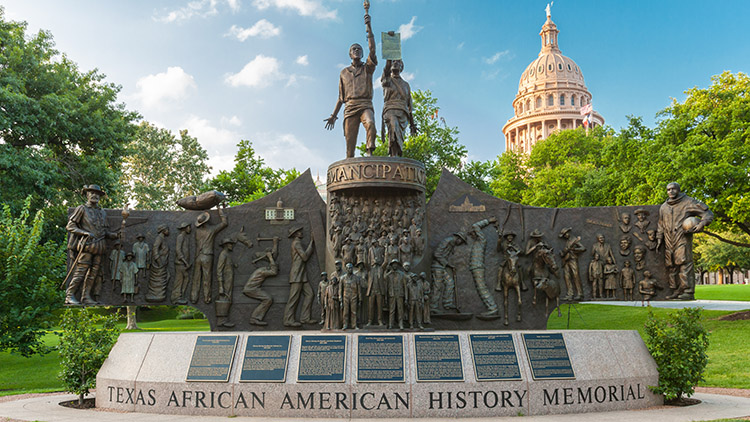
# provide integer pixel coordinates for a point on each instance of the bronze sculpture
(355, 90)
(225, 278)
(298, 283)
(88, 228)
(443, 277)
(182, 263)
(349, 296)
(128, 270)
(415, 299)
(204, 260)
(476, 266)
(253, 289)
(596, 276)
(627, 281)
(397, 107)
(573, 248)
(647, 288)
(158, 277)
(396, 293)
(677, 240)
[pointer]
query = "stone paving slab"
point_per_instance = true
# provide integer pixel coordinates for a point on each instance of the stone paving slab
(713, 406)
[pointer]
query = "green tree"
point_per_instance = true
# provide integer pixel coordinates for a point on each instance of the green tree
(704, 144)
(250, 179)
(60, 127)
(160, 168)
(437, 146)
(678, 344)
(84, 346)
(29, 273)
(715, 255)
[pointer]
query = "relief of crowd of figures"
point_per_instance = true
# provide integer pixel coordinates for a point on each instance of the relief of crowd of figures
(375, 242)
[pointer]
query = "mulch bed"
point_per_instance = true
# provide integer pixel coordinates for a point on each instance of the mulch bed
(88, 403)
(683, 401)
(737, 316)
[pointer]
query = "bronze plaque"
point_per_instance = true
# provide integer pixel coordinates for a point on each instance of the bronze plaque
(212, 358)
(396, 172)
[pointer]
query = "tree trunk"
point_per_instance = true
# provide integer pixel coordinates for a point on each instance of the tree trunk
(80, 400)
(132, 325)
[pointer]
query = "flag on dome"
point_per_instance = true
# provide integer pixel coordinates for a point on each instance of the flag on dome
(587, 109)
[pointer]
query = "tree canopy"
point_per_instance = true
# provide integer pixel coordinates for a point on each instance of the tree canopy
(701, 143)
(251, 178)
(437, 146)
(60, 127)
(159, 168)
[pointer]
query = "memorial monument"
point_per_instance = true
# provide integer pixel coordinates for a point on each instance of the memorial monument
(378, 252)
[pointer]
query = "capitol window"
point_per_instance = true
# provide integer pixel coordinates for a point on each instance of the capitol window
(569, 67)
(550, 100)
(559, 66)
(538, 102)
(562, 100)
(549, 67)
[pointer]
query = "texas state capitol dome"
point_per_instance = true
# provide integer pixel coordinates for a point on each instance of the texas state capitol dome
(550, 96)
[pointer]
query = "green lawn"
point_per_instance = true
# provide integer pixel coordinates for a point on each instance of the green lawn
(728, 364)
(38, 374)
(739, 292)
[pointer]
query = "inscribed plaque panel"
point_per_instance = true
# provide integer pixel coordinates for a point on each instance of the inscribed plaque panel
(548, 356)
(380, 358)
(438, 357)
(494, 357)
(212, 358)
(265, 359)
(322, 359)
(391, 46)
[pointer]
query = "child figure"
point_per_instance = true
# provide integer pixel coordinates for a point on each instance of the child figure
(627, 280)
(596, 273)
(415, 298)
(647, 288)
(128, 272)
(610, 278)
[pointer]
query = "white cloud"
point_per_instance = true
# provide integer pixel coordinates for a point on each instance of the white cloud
(196, 8)
(234, 5)
(497, 56)
(262, 29)
(220, 143)
(172, 85)
(275, 149)
(303, 7)
(259, 72)
(408, 30)
(407, 76)
(234, 121)
(302, 60)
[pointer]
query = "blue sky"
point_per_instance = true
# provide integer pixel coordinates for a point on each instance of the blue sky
(267, 70)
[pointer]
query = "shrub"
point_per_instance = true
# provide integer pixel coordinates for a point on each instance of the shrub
(678, 344)
(83, 348)
(29, 273)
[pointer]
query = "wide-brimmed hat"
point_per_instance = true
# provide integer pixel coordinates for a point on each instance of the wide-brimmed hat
(93, 188)
(509, 233)
(129, 254)
(536, 233)
(183, 225)
(202, 219)
(565, 230)
(460, 235)
(161, 228)
(641, 211)
(140, 236)
(294, 230)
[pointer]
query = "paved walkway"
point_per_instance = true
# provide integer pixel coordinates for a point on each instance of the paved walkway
(712, 305)
(713, 406)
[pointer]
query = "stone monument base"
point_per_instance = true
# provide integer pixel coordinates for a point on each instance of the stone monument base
(611, 370)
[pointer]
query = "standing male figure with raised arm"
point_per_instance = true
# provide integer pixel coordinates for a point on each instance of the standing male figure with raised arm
(355, 90)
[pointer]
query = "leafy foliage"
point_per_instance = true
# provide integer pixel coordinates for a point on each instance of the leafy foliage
(160, 168)
(84, 347)
(437, 146)
(60, 127)
(678, 344)
(702, 143)
(29, 273)
(714, 255)
(250, 179)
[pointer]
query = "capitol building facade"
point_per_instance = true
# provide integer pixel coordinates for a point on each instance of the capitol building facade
(551, 96)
